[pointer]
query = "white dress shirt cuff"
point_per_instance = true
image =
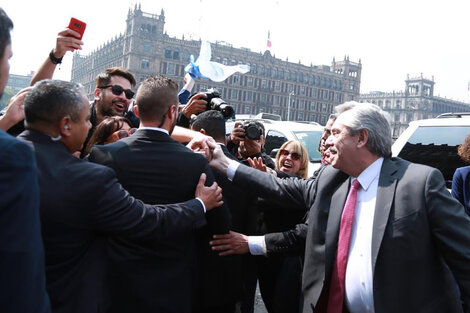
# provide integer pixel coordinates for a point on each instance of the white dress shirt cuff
(257, 245)
(231, 169)
(202, 203)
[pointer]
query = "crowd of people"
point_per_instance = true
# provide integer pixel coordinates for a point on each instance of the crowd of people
(139, 202)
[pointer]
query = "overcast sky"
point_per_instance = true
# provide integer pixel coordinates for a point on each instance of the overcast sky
(392, 38)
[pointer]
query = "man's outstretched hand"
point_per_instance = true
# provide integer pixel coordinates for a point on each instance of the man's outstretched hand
(231, 243)
(210, 195)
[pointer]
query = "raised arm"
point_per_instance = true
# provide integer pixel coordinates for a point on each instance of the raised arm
(66, 41)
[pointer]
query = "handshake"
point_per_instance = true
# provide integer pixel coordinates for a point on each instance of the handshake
(207, 146)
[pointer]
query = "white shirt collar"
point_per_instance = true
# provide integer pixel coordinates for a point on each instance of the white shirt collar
(155, 128)
(370, 173)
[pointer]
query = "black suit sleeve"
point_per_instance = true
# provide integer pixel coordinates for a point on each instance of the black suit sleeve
(118, 212)
(287, 242)
(22, 269)
(218, 219)
(293, 192)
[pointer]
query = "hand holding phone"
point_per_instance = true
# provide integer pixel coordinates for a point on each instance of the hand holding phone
(78, 26)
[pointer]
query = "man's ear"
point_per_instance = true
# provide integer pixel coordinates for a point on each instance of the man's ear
(363, 137)
(97, 94)
(136, 111)
(65, 126)
(171, 112)
(203, 131)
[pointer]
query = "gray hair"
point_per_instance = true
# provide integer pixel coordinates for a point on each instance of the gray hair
(50, 100)
(376, 121)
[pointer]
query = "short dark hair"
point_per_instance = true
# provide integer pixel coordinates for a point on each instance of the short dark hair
(103, 79)
(5, 26)
(50, 100)
(155, 96)
(213, 123)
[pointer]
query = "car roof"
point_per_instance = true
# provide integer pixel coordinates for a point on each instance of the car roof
(447, 121)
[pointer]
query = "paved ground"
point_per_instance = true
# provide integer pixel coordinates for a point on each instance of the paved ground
(259, 304)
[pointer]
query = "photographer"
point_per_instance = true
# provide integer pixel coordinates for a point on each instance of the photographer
(201, 102)
(247, 141)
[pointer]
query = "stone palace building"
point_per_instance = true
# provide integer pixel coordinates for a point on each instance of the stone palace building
(145, 49)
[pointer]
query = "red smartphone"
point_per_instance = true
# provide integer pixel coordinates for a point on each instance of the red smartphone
(77, 26)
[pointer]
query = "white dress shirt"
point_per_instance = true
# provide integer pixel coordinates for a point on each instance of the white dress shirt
(359, 296)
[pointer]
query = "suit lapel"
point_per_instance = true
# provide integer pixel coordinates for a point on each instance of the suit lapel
(385, 195)
(334, 218)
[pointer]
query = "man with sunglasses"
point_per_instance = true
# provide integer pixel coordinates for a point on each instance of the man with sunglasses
(112, 96)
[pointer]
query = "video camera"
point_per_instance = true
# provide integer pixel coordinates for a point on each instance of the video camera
(214, 102)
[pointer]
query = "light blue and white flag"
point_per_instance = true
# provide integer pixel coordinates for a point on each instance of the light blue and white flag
(205, 68)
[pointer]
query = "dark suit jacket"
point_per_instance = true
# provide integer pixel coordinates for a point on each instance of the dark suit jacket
(157, 276)
(461, 187)
(419, 233)
(22, 273)
(81, 202)
(221, 277)
(291, 241)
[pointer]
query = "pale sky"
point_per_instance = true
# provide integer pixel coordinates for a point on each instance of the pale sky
(392, 38)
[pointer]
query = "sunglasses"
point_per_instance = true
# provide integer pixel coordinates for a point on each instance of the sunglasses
(125, 133)
(117, 91)
(293, 155)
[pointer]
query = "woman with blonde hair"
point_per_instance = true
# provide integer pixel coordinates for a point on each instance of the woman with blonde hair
(279, 276)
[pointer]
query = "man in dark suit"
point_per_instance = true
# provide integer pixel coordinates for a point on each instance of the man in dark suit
(22, 274)
(224, 279)
(397, 244)
(157, 276)
(82, 203)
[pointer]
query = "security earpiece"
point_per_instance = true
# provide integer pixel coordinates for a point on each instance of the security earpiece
(66, 127)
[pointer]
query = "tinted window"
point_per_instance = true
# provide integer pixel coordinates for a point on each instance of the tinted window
(274, 140)
(436, 146)
(311, 140)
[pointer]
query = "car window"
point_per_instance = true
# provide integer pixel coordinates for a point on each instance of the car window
(311, 140)
(274, 140)
(436, 146)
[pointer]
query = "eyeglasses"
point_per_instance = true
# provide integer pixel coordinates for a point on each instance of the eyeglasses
(293, 155)
(125, 133)
(117, 91)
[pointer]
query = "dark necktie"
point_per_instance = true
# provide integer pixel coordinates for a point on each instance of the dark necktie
(337, 285)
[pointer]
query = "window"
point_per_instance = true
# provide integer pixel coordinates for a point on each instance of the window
(176, 54)
(436, 146)
(274, 140)
(168, 53)
(248, 96)
(186, 56)
(146, 46)
(145, 64)
(234, 94)
(171, 69)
